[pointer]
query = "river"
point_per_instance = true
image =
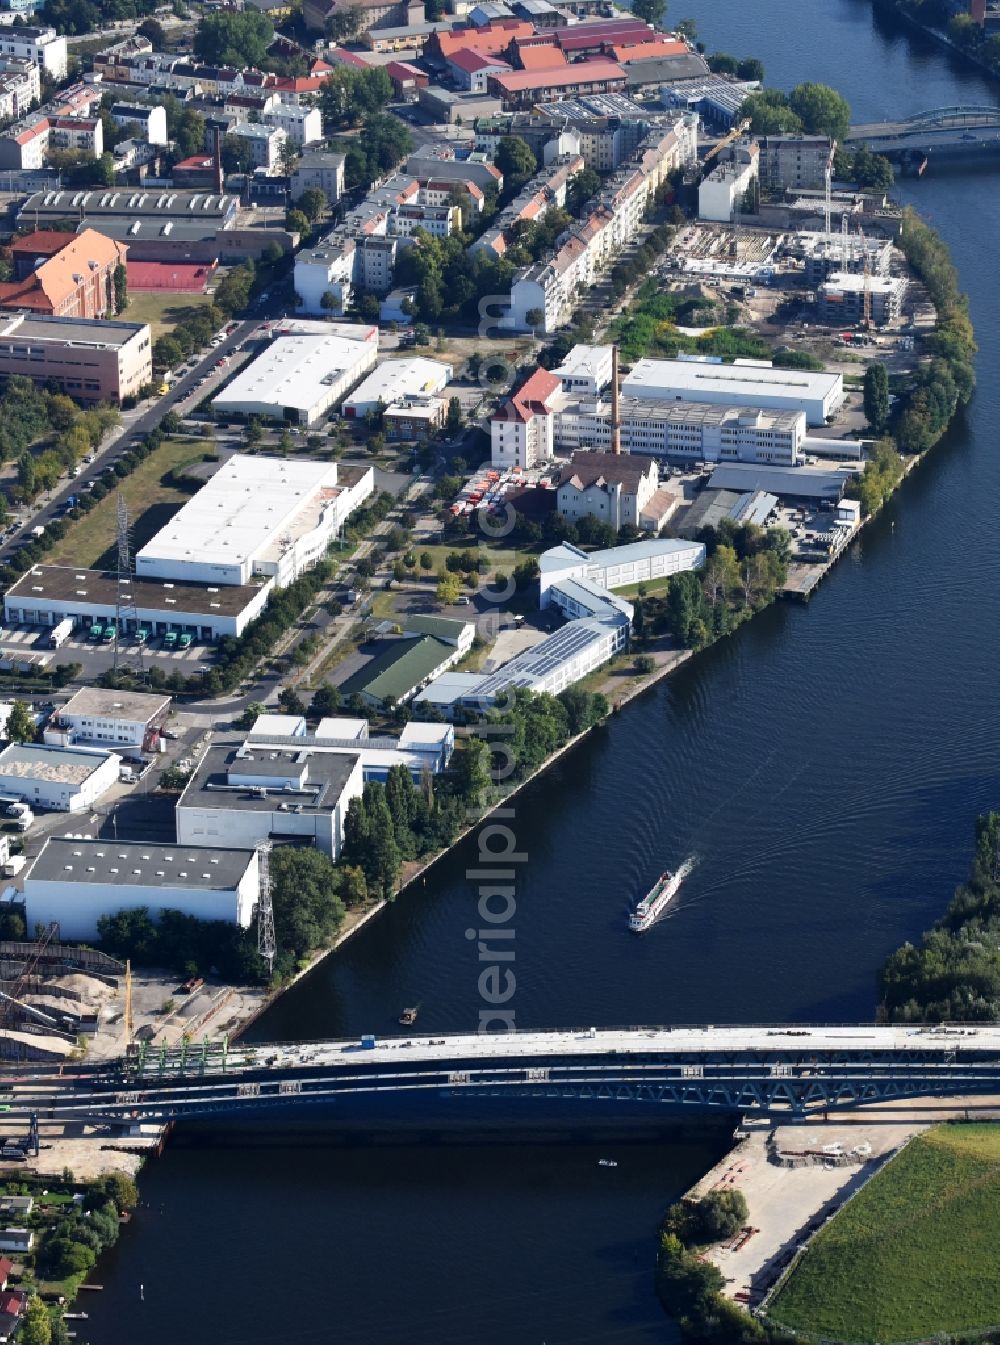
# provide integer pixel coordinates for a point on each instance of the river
(825, 766)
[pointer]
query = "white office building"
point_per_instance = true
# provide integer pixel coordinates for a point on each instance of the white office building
(124, 721)
(745, 383)
(684, 431)
(618, 566)
(303, 373)
(586, 371)
(255, 516)
(44, 46)
(63, 779)
(421, 748)
(242, 794)
(395, 380)
(75, 882)
(266, 143)
(301, 125)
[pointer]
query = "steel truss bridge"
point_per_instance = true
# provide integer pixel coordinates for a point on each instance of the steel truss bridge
(764, 1070)
(943, 133)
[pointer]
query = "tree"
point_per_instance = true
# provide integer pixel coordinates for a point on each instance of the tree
(36, 1328)
(296, 223)
(20, 724)
(449, 589)
(383, 867)
(344, 23)
(751, 69)
(153, 29)
(770, 113)
(876, 396)
(650, 11)
(471, 770)
(26, 474)
(237, 154)
(455, 417)
(288, 156)
(535, 317)
(120, 1188)
(308, 910)
(328, 300)
(516, 161)
(235, 39)
(687, 29)
(312, 203)
(426, 560)
(582, 186)
(121, 288)
(821, 110)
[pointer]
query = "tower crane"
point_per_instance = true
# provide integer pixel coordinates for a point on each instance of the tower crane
(828, 178)
(728, 139)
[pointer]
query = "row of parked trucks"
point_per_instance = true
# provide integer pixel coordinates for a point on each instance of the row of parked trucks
(106, 631)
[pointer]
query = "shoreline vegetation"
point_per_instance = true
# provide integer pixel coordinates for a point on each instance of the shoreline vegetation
(959, 32)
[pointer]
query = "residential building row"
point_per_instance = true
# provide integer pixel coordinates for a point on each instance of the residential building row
(68, 122)
(549, 290)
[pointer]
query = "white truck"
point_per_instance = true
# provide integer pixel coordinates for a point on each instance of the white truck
(20, 813)
(60, 633)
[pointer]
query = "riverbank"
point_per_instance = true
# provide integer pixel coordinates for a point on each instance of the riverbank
(899, 9)
(796, 1177)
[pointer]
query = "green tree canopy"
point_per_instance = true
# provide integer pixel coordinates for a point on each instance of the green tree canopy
(821, 110)
(234, 39)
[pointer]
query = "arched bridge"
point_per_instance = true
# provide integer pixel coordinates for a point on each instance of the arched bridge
(944, 132)
(778, 1070)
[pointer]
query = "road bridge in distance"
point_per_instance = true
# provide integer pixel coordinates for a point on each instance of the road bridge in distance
(781, 1071)
(946, 134)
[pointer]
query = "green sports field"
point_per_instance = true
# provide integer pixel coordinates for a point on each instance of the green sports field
(914, 1254)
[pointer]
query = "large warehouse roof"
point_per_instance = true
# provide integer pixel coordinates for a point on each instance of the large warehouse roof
(697, 377)
(304, 360)
(76, 589)
(398, 378)
(248, 501)
(139, 864)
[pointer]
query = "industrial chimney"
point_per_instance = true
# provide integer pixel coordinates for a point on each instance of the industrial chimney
(616, 424)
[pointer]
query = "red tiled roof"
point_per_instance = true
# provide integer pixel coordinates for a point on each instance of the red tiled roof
(530, 399)
(646, 51)
(497, 37)
(470, 61)
(197, 162)
(42, 243)
(6, 1267)
(534, 57)
(586, 72)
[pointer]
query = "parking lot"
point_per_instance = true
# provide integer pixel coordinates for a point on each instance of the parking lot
(95, 656)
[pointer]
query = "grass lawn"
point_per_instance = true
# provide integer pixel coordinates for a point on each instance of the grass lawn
(162, 309)
(649, 587)
(90, 540)
(914, 1254)
(499, 558)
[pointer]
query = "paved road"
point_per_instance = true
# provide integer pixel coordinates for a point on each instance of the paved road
(134, 428)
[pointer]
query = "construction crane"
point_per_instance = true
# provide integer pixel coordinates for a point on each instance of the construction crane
(828, 178)
(734, 134)
(866, 318)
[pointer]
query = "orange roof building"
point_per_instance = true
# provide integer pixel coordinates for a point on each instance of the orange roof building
(64, 275)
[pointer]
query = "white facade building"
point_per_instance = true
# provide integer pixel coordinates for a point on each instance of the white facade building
(266, 142)
(521, 433)
(611, 488)
(684, 431)
(306, 370)
(42, 45)
(124, 721)
(255, 516)
(745, 383)
(242, 795)
(586, 371)
(618, 566)
(722, 191)
(153, 120)
(393, 380)
(302, 125)
(75, 882)
(66, 780)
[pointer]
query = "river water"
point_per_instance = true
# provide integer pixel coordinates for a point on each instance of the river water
(825, 766)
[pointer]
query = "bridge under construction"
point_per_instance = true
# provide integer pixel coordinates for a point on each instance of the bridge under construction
(946, 134)
(781, 1071)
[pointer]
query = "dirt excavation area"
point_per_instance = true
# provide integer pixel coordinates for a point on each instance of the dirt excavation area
(795, 1177)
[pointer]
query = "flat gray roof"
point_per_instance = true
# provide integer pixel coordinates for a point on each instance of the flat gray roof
(66, 585)
(92, 332)
(326, 775)
(66, 765)
(106, 704)
(139, 864)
